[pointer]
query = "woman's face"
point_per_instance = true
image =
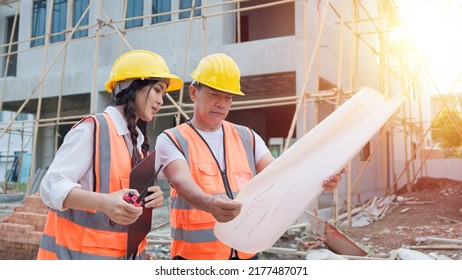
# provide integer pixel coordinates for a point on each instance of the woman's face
(149, 100)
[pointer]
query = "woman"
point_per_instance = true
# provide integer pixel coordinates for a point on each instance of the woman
(86, 182)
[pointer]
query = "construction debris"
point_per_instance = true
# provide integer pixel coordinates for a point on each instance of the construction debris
(408, 254)
(373, 210)
(449, 219)
(333, 238)
(436, 247)
(438, 239)
(431, 224)
(323, 254)
(405, 210)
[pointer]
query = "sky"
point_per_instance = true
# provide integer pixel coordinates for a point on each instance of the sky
(435, 28)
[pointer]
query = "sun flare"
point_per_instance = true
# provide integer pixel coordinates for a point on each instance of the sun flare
(434, 28)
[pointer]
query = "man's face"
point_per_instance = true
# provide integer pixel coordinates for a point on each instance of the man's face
(210, 106)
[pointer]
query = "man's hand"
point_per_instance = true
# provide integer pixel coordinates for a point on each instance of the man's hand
(332, 183)
(224, 209)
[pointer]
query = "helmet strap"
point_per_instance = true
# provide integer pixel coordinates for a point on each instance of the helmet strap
(120, 86)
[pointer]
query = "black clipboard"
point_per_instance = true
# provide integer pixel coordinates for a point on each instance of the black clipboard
(140, 176)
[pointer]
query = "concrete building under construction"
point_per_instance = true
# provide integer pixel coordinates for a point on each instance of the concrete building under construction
(299, 61)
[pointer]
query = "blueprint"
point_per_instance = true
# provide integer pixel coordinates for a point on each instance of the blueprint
(274, 199)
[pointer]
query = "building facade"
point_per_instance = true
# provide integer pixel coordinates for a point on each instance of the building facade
(61, 53)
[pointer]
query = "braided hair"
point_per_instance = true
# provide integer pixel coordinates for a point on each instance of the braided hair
(127, 98)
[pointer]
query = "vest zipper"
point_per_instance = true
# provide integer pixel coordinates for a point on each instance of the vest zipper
(223, 174)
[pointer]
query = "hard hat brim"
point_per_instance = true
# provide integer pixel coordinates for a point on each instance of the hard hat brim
(175, 83)
(141, 64)
(196, 78)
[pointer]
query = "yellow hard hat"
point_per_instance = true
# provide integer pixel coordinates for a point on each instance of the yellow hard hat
(141, 64)
(220, 72)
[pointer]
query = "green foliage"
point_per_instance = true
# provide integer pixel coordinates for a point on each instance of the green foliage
(445, 132)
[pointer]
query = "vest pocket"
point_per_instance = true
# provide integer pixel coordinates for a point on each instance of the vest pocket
(118, 183)
(210, 178)
(198, 249)
(101, 243)
(208, 168)
(125, 182)
(241, 178)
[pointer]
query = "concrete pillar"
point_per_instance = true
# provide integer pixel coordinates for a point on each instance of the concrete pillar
(45, 146)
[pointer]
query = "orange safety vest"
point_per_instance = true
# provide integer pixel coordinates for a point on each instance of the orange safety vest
(83, 235)
(192, 229)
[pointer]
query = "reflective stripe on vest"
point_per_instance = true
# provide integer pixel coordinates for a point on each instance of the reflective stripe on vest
(192, 230)
(77, 234)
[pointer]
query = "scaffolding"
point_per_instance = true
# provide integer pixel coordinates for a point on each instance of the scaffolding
(393, 68)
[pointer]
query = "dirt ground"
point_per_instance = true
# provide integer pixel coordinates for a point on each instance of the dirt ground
(432, 209)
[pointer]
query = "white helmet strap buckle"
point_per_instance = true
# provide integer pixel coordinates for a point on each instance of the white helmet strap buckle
(120, 86)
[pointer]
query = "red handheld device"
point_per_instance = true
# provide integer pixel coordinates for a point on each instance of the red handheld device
(132, 198)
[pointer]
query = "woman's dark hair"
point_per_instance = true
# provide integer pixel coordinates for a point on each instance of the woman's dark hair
(127, 98)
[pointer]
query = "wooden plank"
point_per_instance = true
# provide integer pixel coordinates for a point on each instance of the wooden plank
(439, 239)
(449, 219)
(436, 247)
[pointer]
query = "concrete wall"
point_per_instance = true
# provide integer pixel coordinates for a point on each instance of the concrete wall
(170, 41)
(437, 168)
(273, 55)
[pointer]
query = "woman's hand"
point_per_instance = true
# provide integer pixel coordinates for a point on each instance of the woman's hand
(155, 199)
(119, 211)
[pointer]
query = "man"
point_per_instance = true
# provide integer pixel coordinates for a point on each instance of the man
(208, 160)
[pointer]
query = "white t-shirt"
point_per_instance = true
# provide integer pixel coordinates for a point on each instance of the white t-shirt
(72, 166)
(167, 152)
